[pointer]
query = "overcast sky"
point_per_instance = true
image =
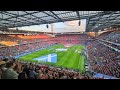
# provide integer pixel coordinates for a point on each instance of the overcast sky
(69, 26)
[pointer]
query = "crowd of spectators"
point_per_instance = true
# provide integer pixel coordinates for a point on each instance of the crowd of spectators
(24, 48)
(22, 70)
(72, 38)
(31, 43)
(113, 37)
(15, 69)
(104, 59)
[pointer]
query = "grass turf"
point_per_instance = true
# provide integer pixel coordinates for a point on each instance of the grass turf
(68, 59)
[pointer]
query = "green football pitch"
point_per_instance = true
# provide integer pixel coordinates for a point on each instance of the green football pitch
(71, 58)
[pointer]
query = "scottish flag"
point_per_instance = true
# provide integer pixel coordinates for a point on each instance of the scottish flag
(48, 58)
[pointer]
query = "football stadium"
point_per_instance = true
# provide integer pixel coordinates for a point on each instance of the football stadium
(59, 45)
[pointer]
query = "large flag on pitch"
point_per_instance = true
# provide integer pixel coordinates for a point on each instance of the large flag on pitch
(48, 58)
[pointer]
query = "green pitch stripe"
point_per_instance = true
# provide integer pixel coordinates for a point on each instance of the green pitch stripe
(67, 60)
(76, 63)
(63, 59)
(77, 59)
(72, 59)
(60, 55)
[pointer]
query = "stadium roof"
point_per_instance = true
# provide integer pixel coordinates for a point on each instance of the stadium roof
(96, 20)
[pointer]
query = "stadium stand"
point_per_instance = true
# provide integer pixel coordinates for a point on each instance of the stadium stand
(101, 52)
(103, 58)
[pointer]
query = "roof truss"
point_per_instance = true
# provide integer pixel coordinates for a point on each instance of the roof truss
(96, 20)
